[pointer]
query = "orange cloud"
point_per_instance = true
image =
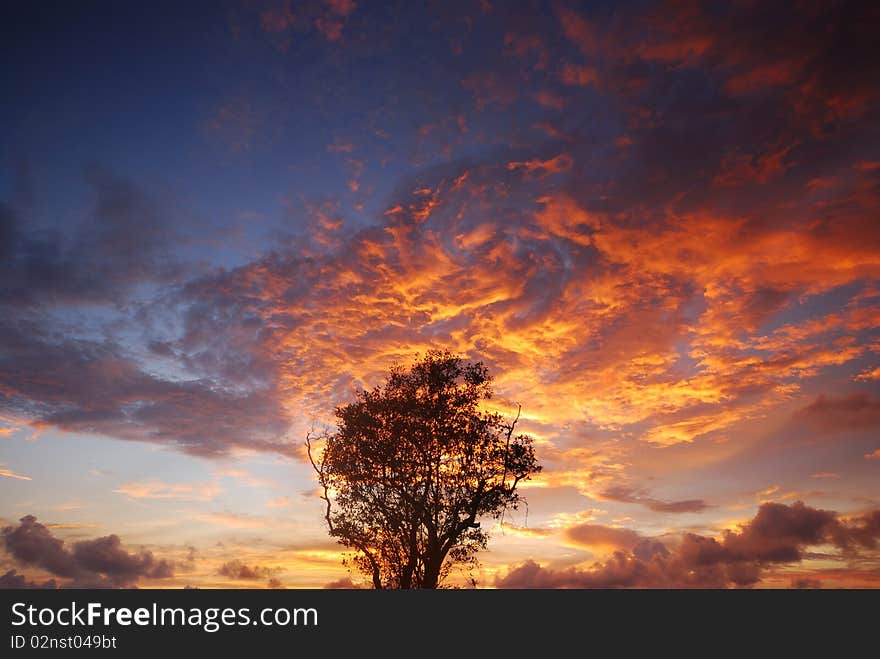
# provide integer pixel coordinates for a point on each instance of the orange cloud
(406, 287)
(578, 75)
(8, 473)
(550, 100)
(556, 165)
(771, 74)
(160, 490)
(232, 520)
(869, 374)
(739, 168)
(606, 538)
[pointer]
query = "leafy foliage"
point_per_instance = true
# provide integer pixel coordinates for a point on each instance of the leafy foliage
(413, 465)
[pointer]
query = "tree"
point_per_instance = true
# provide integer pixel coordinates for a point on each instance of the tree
(413, 465)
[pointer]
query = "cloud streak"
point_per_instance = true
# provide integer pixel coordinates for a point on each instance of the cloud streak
(8, 473)
(628, 495)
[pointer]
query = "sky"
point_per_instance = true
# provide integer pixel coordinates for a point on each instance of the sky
(657, 224)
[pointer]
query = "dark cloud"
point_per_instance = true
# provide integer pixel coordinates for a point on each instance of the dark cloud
(624, 494)
(107, 556)
(803, 583)
(647, 548)
(125, 238)
(99, 563)
(235, 569)
(62, 369)
(777, 535)
(31, 543)
(745, 95)
(345, 583)
(860, 532)
(13, 580)
(857, 411)
(84, 386)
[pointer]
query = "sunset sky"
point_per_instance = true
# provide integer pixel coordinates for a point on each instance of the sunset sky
(658, 225)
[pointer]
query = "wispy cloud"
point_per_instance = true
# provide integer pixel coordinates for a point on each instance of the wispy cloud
(8, 473)
(160, 490)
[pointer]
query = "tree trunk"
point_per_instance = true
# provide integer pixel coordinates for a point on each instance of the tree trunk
(432, 572)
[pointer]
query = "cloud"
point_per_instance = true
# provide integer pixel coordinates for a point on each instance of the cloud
(527, 531)
(81, 386)
(159, 490)
(235, 569)
(345, 583)
(731, 46)
(869, 374)
(550, 99)
(739, 168)
(829, 414)
(107, 557)
(556, 165)
(8, 473)
(124, 240)
(233, 520)
(341, 7)
(596, 535)
(11, 579)
(332, 22)
(295, 330)
(777, 535)
(102, 562)
(581, 75)
(624, 494)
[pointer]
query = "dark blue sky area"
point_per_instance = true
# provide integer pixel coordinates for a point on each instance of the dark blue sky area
(231, 113)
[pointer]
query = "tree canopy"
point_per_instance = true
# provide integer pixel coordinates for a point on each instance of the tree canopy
(412, 467)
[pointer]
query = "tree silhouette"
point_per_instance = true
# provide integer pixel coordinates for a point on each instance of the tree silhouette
(413, 465)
